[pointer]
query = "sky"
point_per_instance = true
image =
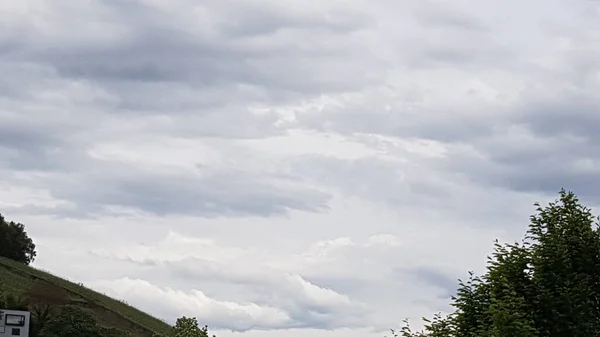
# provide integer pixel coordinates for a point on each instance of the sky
(315, 168)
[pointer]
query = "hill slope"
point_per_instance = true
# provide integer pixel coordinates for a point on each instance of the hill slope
(41, 287)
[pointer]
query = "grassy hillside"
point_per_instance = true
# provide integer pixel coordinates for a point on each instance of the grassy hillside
(44, 288)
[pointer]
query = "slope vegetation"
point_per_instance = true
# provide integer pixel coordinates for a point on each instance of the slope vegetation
(43, 288)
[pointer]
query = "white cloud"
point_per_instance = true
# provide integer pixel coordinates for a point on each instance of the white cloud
(275, 282)
(323, 284)
(196, 303)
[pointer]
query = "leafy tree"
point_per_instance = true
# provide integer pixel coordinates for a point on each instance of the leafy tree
(15, 244)
(187, 327)
(546, 286)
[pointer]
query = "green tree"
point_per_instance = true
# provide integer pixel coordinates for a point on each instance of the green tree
(188, 327)
(546, 286)
(15, 244)
(565, 253)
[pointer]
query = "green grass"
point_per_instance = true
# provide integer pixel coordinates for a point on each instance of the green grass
(19, 277)
(14, 281)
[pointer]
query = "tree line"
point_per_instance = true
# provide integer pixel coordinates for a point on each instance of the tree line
(546, 285)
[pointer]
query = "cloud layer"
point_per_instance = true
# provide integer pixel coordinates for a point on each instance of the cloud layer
(315, 168)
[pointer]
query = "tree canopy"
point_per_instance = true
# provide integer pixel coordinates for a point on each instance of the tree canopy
(187, 327)
(15, 244)
(547, 285)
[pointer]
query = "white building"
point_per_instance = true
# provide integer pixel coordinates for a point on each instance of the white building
(14, 323)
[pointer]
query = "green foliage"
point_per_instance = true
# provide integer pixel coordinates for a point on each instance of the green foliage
(15, 244)
(547, 286)
(40, 315)
(12, 301)
(71, 321)
(187, 327)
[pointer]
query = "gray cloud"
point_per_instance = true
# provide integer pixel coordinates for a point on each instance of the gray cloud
(151, 116)
(431, 277)
(440, 15)
(550, 145)
(535, 136)
(57, 151)
(32, 145)
(103, 185)
(214, 44)
(414, 183)
(306, 304)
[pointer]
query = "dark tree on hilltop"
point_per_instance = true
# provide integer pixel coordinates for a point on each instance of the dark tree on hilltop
(15, 244)
(546, 286)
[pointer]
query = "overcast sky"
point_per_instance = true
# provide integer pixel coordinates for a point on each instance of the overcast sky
(296, 168)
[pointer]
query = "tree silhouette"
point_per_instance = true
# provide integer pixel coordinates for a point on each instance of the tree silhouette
(15, 244)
